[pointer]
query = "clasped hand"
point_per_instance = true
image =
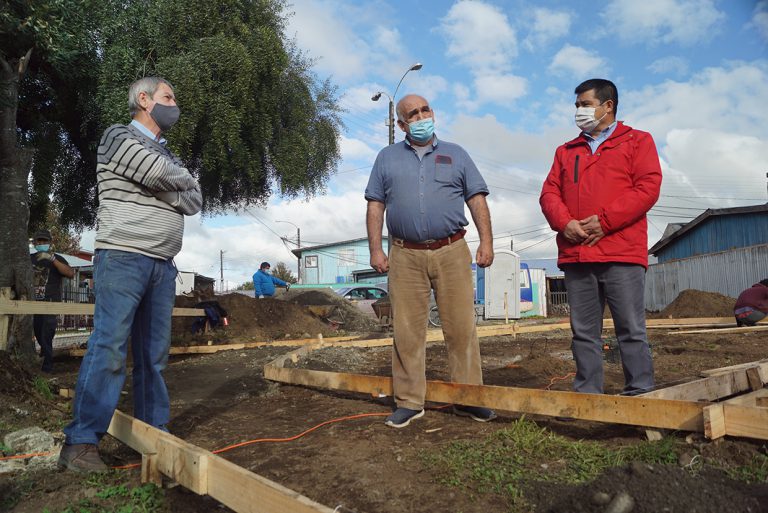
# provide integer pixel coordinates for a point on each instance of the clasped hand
(586, 232)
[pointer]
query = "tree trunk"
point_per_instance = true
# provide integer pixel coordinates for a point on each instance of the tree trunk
(16, 270)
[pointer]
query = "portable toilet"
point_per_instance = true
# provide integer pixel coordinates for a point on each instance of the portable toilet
(498, 286)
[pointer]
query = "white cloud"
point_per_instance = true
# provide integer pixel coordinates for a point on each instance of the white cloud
(760, 20)
(547, 26)
(355, 149)
(500, 88)
(671, 65)
(479, 36)
(577, 62)
(662, 21)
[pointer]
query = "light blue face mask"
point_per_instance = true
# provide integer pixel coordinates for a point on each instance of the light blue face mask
(422, 130)
(43, 248)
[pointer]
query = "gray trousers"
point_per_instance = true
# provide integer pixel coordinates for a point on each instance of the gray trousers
(622, 286)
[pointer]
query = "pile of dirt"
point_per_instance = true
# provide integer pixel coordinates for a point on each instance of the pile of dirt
(697, 303)
(349, 317)
(15, 380)
(654, 488)
(256, 319)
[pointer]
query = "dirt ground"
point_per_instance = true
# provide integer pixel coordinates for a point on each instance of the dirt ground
(364, 466)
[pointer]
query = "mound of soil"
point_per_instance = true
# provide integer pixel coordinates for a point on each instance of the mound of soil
(655, 488)
(256, 319)
(350, 317)
(697, 303)
(15, 380)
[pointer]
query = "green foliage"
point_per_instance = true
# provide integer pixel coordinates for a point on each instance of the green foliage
(43, 387)
(503, 462)
(254, 117)
(120, 498)
(282, 272)
(754, 472)
(248, 285)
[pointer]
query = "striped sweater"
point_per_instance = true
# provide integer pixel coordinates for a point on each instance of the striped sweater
(144, 194)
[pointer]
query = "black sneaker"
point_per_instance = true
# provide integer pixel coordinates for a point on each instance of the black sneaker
(477, 413)
(401, 417)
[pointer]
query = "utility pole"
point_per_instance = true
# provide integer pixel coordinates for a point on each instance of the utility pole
(221, 268)
(391, 121)
(298, 244)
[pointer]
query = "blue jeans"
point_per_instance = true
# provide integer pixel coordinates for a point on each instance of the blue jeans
(134, 296)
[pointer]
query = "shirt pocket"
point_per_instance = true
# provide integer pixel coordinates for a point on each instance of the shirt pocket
(445, 172)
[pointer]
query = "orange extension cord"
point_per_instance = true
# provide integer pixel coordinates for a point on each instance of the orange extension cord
(288, 439)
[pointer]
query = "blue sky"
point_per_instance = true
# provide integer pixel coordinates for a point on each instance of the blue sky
(500, 77)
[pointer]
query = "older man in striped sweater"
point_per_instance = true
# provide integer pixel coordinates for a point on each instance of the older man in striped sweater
(144, 193)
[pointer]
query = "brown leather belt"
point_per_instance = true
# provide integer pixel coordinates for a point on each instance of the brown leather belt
(430, 244)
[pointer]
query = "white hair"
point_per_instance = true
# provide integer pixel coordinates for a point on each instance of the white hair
(146, 85)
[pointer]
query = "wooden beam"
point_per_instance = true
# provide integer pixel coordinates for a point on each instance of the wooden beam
(671, 414)
(45, 307)
(743, 329)
(750, 399)
(176, 350)
(149, 471)
(714, 421)
(5, 320)
(754, 379)
(746, 421)
(206, 473)
(731, 368)
(711, 388)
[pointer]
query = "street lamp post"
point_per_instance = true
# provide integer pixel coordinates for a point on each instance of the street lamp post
(298, 244)
(375, 97)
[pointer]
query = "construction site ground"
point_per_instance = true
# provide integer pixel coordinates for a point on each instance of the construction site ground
(363, 466)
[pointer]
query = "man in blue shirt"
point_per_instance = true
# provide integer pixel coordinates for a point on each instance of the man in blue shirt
(264, 283)
(423, 184)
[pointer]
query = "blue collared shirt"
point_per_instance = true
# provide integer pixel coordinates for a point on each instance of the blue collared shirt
(595, 141)
(424, 199)
(146, 131)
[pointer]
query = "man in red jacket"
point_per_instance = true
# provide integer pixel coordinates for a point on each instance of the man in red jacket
(752, 305)
(596, 197)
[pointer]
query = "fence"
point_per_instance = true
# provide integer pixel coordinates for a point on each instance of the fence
(727, 272)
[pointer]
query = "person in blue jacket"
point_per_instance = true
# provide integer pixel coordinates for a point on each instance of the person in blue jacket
(264, 283)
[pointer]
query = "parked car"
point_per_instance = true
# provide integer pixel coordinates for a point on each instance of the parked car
(363, 296)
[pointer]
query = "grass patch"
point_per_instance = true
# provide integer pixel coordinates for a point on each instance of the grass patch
(43, 387)
(503, 462)
(116, 497)
(755, 471)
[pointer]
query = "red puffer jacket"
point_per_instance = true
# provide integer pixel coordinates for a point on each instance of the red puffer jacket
(619, 183)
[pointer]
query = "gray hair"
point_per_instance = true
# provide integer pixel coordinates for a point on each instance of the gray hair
(143, 85)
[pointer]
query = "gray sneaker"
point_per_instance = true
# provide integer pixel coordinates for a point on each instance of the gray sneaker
(477, 413)
(401, 417)
(81, 458)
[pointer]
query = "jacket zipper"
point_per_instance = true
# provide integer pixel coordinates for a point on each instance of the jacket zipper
(576, 170)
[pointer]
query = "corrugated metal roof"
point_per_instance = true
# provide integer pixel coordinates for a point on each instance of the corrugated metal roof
(665, 241)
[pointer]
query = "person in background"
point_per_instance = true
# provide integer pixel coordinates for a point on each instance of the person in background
(264, 283)
(423, 184)
(596, 197)
(145, 192)
(752, 305)
(49, 269)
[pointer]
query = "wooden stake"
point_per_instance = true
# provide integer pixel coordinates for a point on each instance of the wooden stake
(149, 471)
(5, 320)
(714, 422)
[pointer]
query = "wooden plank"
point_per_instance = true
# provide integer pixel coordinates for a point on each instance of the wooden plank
(746, 421)
(754, 379)
(731, 368)
(45, 307)
(743, 329)
(149, 471)
(750, 399)
(670, 414)
(206, 473)
(710, 388)
(762, 402)
(246, 492)
(5, 320)
(714, 421)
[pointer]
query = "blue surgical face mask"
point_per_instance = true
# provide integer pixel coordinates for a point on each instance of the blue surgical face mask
(422, 130)
(43, 248)
(267, 271)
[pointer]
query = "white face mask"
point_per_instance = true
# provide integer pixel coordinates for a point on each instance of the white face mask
(585, 119)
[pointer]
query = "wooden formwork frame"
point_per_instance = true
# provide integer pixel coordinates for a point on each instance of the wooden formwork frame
(689, 406)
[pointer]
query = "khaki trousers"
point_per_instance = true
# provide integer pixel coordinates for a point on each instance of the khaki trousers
(413, 273)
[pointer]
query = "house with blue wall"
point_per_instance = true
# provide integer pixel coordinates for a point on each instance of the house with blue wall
(338, 263)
